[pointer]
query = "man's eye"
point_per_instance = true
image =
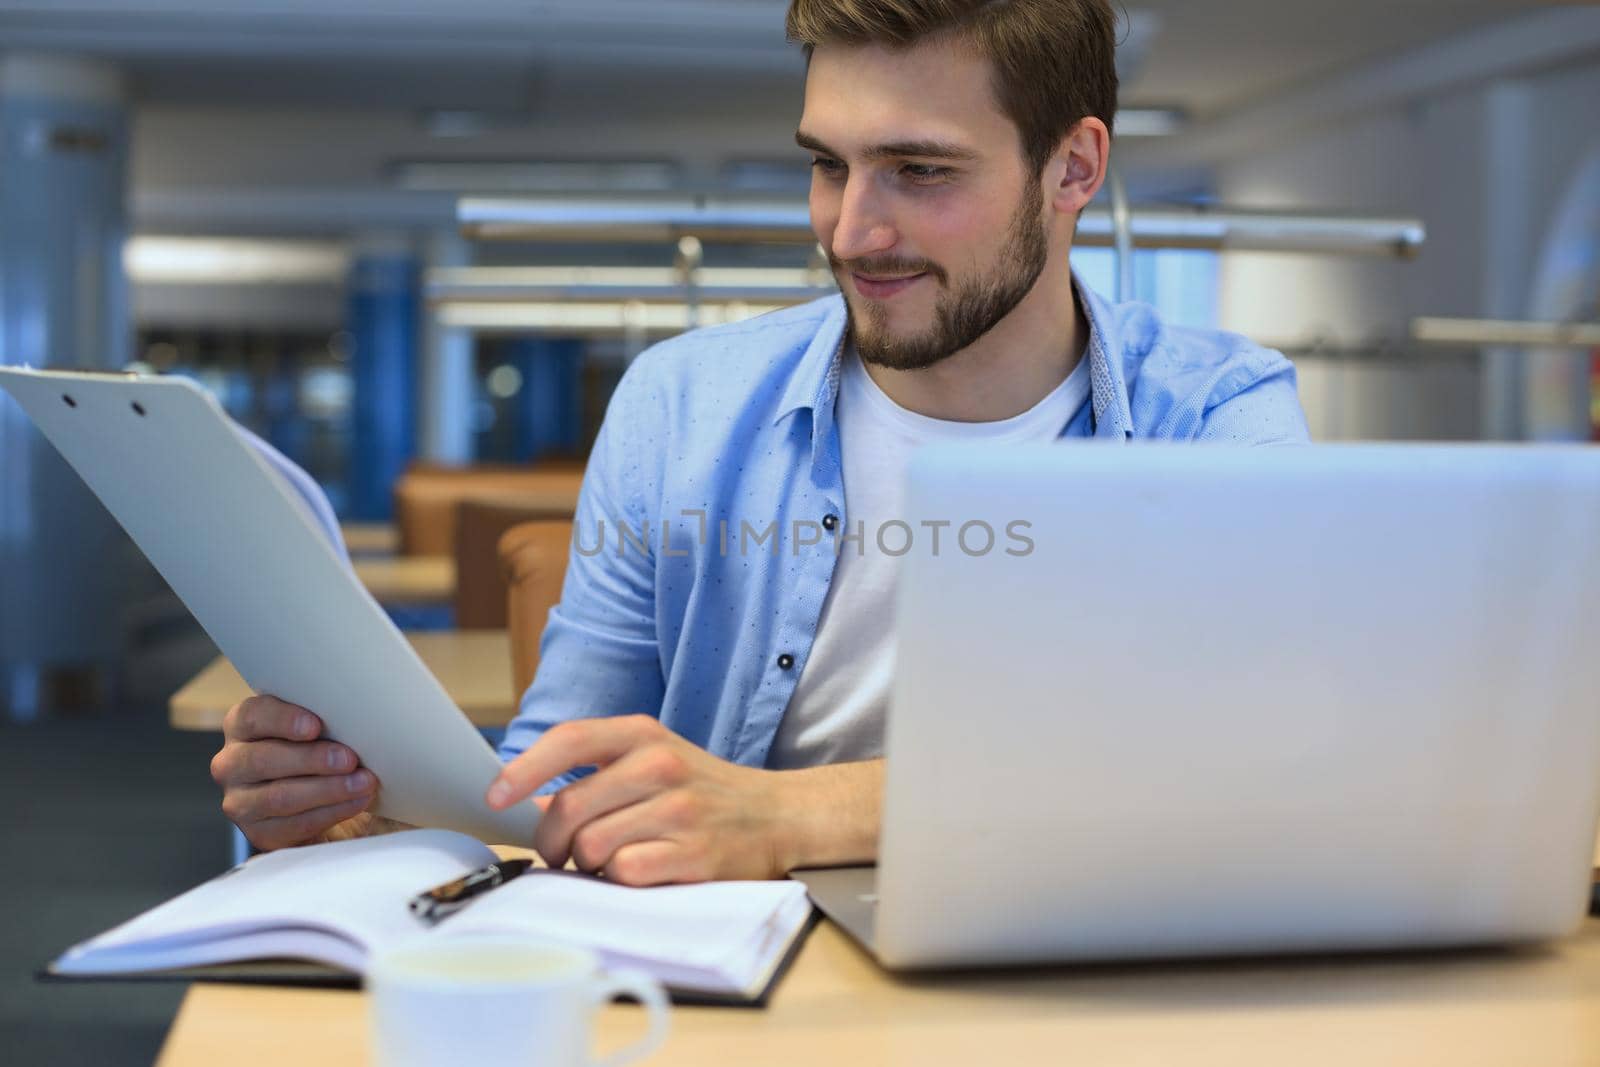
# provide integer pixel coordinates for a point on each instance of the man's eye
(924, 172)
(827, 167)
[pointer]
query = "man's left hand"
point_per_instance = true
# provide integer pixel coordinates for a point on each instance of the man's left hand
(659, 809)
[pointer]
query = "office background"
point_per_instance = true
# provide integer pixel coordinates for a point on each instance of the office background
(265, 194)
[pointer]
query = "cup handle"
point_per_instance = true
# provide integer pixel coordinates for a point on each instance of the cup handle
(650, 994)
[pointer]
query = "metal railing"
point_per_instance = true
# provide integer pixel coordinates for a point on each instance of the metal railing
(1507, 332)
(657, 299)
(730, 220)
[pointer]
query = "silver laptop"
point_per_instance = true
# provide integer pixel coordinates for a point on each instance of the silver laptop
(1205, 700)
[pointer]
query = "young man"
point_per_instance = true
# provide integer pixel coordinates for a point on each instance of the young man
(725, 667)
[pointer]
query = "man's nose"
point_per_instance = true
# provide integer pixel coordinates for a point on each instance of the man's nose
(864, 227)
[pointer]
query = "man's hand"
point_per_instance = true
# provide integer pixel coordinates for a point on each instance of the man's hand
(660, 809)
(283, 786)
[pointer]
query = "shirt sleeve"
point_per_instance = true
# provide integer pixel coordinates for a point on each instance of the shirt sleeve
(1266, 411)
(599, 655)
(306, 490)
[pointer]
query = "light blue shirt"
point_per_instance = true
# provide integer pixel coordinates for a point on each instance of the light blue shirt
(675, 604)
(702, 553)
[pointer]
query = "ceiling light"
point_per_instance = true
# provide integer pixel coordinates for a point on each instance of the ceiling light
(234, 261)
(1150, 121)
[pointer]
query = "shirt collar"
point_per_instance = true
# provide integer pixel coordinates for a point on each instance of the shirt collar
(1108, 386)
(815, 384)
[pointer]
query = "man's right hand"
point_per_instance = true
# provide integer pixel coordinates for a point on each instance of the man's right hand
(281, 785)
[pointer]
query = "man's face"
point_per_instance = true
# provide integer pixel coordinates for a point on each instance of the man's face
(933, 223)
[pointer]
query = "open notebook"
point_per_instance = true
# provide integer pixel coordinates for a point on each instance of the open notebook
(335, 904)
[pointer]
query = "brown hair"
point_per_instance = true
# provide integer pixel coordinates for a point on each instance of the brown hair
(1054, 61)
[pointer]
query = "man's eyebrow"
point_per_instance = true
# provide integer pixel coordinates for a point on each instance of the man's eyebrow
(895, 149)
(811, 144)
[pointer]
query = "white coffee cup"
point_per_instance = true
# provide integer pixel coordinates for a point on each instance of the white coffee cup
(499, 1000)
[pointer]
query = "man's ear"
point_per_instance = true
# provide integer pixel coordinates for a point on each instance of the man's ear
(1079, 167)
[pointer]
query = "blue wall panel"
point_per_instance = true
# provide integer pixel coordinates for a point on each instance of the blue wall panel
(385, 327)
(551, 399)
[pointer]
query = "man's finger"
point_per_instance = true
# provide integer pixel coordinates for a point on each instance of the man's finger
(267, 761)
(652, 863)
(294, 796)
(581, 743)
(263, 718)
(638, 774)
(597, 842)
(298, 829)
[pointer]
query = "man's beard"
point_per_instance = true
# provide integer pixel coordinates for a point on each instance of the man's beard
(960, 317)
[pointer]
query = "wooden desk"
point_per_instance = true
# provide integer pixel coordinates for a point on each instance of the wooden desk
(408, 579)
(836, 1007)
(474, 666)
(370, 538)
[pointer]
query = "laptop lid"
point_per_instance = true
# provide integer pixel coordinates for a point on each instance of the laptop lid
(1194, 700)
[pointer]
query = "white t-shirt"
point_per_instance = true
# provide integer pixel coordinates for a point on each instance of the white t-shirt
(836, 714)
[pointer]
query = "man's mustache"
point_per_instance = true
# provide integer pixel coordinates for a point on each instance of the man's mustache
(885, 266)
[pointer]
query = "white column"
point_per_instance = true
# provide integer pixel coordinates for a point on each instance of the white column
(448, 373)
(1508, 250)
(63, 303)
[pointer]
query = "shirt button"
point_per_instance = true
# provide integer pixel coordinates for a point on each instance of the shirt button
(785, 662)
(830, 522)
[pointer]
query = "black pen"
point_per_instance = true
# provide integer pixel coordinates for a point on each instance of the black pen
(445, 900)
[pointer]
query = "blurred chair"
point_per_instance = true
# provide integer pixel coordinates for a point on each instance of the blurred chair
(534, 558)
(556, 461)
(426, 497)
(481, 577)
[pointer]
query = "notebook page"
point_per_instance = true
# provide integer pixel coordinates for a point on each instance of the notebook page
(746, 970)
(282, 943)
(359, 888)
(755, 967)
(712, 927)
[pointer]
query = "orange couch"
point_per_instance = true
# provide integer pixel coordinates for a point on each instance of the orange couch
(426, 498)
(533, 556)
